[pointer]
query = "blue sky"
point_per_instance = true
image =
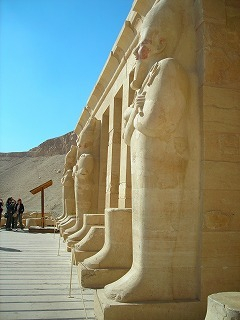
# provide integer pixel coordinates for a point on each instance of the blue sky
(51, 55)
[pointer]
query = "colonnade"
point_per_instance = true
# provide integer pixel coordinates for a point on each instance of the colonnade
(141, 218)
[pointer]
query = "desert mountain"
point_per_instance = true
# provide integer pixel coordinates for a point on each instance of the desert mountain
(21, 172)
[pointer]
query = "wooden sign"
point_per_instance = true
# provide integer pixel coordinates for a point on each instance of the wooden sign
(41, 189)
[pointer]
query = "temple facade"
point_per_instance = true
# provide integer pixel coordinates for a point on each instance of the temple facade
(159, 228)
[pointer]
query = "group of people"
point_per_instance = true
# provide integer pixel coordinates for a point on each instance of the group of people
(14, 212)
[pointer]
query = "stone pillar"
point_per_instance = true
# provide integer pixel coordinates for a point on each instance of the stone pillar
(113, 162)
(103, 161)
(220, 90)
(125, 196)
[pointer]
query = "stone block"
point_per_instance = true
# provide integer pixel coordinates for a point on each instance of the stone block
(215, 35)
(223, 306)
(106, 309)
(221, 69)
(98, 278)
(223, 98)
(233, 3)
(221, 210)
(81, 255)
(214, 10)
(217, 119)
(220, 262)
(220, 244)
(222, 146)
(221, 175)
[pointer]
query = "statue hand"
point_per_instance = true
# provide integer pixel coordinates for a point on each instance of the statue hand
(139, 101)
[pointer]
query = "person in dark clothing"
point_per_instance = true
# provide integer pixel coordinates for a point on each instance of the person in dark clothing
(10, 206)
(1, 210)
(19, 208)
(14, 216)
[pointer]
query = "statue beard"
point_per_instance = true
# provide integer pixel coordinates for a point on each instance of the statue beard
(141, 71)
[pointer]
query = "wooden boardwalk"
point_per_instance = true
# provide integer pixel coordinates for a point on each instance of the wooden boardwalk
(35, 279)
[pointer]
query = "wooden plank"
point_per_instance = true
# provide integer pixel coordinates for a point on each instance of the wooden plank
(41, 187)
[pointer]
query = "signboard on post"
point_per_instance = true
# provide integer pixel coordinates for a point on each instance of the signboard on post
(41, 189)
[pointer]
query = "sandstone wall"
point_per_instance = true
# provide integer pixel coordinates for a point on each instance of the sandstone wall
(218, 28)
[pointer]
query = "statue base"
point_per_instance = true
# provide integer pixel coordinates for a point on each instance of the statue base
(106, 309)
(82, 255)
(68, 224)
(98, 278)
(223, 305)
(36, 229)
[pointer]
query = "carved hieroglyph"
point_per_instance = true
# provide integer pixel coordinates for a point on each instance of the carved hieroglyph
(163, 132)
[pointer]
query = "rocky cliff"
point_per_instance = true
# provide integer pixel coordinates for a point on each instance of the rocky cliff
(21, 172)
(51, 147)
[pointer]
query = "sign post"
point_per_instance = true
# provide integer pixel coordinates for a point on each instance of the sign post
(38, 189)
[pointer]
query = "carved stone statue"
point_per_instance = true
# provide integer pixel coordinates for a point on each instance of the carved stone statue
(70, 159)
(82, 174)
(83, 183)
(68, 193)
(163, 160)
(68, 183)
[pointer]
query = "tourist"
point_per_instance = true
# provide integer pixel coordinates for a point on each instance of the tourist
(10, 206)
(1, 210)
(19, 210)
(14, 215)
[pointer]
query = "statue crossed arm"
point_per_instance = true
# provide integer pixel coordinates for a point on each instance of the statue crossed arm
(159, 106)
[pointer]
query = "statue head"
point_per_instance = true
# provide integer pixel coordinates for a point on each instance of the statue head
(70, 158)
(86, 137)
(159, 37)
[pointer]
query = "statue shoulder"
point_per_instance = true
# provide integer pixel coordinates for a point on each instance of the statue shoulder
(172, 67)
(168, 73)
(171, 63)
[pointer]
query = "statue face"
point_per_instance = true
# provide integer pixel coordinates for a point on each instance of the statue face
(145, 54)
(143, 49)
(85, 140)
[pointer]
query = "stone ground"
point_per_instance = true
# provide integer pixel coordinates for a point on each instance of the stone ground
(35, 279)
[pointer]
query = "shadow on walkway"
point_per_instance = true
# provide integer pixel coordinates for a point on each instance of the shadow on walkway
(10, 249)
